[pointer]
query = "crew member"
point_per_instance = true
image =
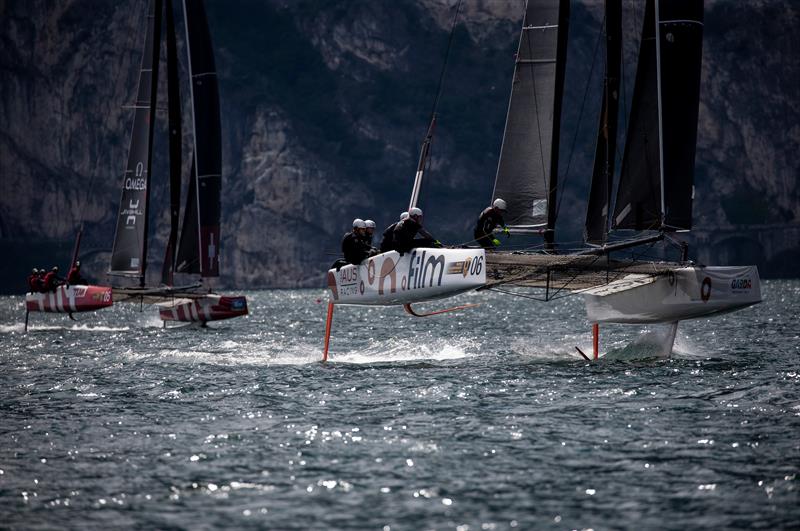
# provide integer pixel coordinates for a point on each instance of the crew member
(40, 280)
(33, 281)
(369, 235)
(490, 219)
(74, 276)
(52, 280)
(387, 239)
(406, 230)
(354, 247)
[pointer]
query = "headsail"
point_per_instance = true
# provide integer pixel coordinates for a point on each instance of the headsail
(597, 211)
(129, 252)
(657, 176)
(528, 166)
(207, 138)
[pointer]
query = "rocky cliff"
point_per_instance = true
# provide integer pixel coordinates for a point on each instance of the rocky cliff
(323, 109)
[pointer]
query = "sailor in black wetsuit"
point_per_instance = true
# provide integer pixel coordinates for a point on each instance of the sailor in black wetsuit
(368, 236)
(354, 247)
(490, 218)
(406, 230)
(387, 240)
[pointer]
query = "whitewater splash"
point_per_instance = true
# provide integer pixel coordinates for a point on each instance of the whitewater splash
(20, 328)
(405, 350)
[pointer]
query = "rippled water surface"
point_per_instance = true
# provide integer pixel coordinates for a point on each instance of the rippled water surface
(483, 419)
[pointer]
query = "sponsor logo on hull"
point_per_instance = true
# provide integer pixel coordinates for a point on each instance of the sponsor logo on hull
(391, 278)
(70, 299)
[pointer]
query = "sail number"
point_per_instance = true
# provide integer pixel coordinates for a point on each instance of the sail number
(476, 266)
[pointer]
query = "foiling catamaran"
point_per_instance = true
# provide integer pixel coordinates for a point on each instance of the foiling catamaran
(197, 250)
(653, 198)
(69, 298)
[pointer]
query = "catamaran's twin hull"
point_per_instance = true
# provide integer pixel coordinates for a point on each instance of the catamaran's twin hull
(419, 275)
(684, 293)
(70, 299)
(204, 309)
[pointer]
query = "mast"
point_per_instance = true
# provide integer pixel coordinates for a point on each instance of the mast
(423, 160)
(129, 250)
(175, 141)
(597, 211)
(527, 172)
(207, 167)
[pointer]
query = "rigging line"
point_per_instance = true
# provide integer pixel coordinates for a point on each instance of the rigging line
(624, 100)
(515, 294)
(440, 86)
(563, 181)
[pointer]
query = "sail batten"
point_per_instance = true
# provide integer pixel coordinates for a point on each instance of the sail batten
(527, 169)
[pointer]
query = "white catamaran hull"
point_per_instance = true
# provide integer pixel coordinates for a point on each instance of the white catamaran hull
(689, 293)
(419, 275)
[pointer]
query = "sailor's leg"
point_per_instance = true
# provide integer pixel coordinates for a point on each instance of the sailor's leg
(26, 320)
(596, 340)
(328, 322)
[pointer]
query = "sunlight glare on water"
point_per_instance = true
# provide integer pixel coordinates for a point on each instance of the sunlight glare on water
(481, 419)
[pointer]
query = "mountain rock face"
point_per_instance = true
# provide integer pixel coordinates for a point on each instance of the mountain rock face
(324, 106)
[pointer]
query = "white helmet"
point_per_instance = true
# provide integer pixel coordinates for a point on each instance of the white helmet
(403, 216)
(499, 204)
(358, 223)
(415, 212)
(369, 224)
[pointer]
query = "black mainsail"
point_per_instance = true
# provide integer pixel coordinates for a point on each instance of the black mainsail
(598, 208)
(638, 202)
(175, 146)
(207, 171)
(527, 172)
(680, 49)
(129, 251)
(188, 258)
(657, 175)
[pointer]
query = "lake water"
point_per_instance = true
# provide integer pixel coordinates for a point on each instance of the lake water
(481, 419)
